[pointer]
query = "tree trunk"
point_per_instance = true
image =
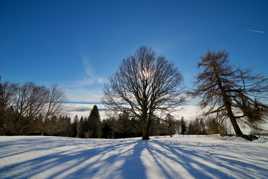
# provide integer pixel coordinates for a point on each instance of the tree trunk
(145, 135)
(228, 106)
(235, 125)
(230, 114)
(146, 130)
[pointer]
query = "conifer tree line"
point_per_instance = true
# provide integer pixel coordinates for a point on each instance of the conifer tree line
(145, 88)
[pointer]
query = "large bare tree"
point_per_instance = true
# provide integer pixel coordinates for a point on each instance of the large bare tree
(231, 92)
(144, 85)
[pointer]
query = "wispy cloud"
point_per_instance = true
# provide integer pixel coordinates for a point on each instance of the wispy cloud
(90, 75)
(256, 31)
(88, 88)
(78, 95)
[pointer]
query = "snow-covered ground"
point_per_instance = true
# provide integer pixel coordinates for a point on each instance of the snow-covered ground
(162, 157)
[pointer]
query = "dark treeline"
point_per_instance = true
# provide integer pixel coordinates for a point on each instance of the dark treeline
(124, 126)
(30, 109)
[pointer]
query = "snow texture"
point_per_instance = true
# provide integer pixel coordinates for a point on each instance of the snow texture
(162, 157)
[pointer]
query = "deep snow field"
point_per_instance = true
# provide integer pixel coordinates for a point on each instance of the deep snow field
(161, 157)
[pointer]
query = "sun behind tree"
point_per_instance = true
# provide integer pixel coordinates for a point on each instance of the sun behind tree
(144, 85)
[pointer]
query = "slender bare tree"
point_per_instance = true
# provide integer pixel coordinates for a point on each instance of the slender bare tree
(230, 92)
(144, 85)
(54, 102)
(7, 93)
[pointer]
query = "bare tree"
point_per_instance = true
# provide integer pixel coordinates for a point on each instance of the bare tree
(229, 92)
(30, 100)
(23, 108)
(7, 93)
(53, 105)
(250, 98)
(144, 85)
(54, 102)
(28, 104)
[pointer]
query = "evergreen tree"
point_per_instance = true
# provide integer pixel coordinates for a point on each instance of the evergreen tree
(81, 127)
(123, 125)
(94, 123)
(107, 128)
(75, 127)
(183, 126)
(170, 125)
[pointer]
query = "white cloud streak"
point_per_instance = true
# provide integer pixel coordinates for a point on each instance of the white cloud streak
(256, 31)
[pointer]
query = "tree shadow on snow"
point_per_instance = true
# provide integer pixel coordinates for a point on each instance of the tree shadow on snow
(42, 164)
(126, 159)
(202, 164)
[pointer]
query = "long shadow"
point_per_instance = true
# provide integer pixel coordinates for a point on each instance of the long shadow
(232, 164)
(159, 163)
(188, 157)
(20, 146)
(102, 164)
(23, 146)
(124, 159)
(38, 165)
(185, 161)
(133, 166)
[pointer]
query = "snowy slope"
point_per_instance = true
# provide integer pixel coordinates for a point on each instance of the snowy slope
(162, 157)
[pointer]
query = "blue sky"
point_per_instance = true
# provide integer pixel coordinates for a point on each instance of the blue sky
(79, 44)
